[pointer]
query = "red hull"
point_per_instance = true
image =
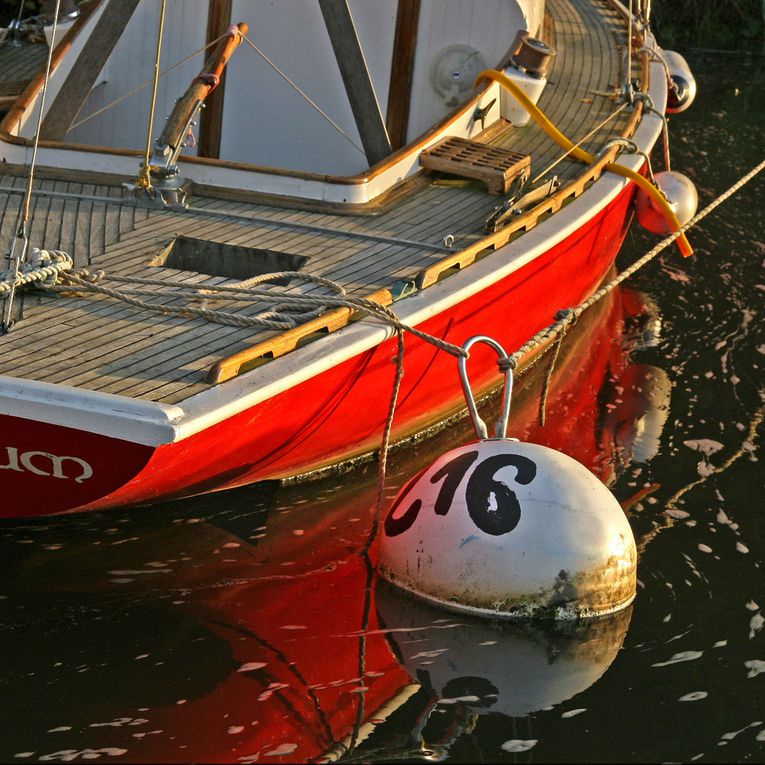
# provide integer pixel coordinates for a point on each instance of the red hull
(340, 413)
(285, 652)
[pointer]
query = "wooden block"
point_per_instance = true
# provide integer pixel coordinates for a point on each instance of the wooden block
(495, 166)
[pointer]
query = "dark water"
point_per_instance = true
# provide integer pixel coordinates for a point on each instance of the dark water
(238, 627)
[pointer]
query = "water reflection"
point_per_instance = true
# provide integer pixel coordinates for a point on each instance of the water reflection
(245, 626)
(471, 667)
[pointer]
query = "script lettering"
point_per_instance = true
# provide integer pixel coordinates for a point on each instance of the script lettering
(13, 459)
(47, 464)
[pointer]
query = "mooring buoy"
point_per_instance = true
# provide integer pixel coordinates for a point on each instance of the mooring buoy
(509, 529)
(680, 193)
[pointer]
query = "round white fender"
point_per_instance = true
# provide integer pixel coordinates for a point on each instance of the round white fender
(510, 529)
(681, 196)
(681, 96)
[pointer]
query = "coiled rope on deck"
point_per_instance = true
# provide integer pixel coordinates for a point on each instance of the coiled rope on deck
(42, 274)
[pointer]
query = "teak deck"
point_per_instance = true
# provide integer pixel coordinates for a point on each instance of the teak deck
(100, 344)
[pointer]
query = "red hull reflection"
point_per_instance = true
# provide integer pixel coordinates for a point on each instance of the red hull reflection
(246, 627)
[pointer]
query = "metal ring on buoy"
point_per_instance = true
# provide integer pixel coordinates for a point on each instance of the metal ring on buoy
(508, 529)
(480, 426)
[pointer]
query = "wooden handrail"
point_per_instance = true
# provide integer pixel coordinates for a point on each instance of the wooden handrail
(287, 341)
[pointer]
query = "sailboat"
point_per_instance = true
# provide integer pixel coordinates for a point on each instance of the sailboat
(224, 251)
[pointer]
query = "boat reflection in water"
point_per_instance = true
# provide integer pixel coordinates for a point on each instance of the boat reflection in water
(246, 626)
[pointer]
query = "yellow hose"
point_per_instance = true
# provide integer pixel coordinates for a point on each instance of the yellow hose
(585, 156)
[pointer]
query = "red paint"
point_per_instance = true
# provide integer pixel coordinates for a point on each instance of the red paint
(341, 412)
(49, 468)
(274, 602)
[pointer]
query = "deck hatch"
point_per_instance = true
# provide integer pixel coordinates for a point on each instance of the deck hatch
(231, 261)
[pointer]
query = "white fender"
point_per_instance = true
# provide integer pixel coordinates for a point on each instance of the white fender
(681, 196)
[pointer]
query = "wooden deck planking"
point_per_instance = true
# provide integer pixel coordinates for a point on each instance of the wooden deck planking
(127, 351)
(220, 335)
(19, 63)
(112, 311)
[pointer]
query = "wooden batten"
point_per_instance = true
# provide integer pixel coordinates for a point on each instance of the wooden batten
(329, 321)
(358, 83)
(402, 69)
(211, 121)
(76, 89)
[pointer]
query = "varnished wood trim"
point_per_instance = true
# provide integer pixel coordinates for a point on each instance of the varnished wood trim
(526, 222)
(287, 341)
(205, 83)
(402, 69)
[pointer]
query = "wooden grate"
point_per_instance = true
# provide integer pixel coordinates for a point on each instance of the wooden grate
(495, 166)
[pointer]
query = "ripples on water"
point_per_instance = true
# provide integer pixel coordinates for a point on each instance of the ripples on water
(237, 627)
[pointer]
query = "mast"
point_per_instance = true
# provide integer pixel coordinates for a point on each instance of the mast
(211, 119)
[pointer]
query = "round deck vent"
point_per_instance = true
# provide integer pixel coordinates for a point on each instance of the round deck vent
(454, 70)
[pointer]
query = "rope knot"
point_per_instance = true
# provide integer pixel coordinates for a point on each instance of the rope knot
(506, 363)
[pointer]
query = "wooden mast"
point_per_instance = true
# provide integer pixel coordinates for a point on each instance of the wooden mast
(358, 84)
(76, 88)
(211, 121)
(402, 69)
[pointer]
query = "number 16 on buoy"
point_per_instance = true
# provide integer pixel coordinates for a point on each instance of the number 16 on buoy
(508, 529)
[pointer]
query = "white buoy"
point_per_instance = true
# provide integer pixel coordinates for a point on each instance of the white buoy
(683, 90)
(681, 196)
(509, 529)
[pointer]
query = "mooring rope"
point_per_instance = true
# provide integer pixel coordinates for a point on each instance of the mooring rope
(567, 316)
(84, 280)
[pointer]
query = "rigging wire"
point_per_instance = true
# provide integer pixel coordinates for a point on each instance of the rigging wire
(144, 177)
(145, 84)
(629, 50)
(303, 94)
(15, 260)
